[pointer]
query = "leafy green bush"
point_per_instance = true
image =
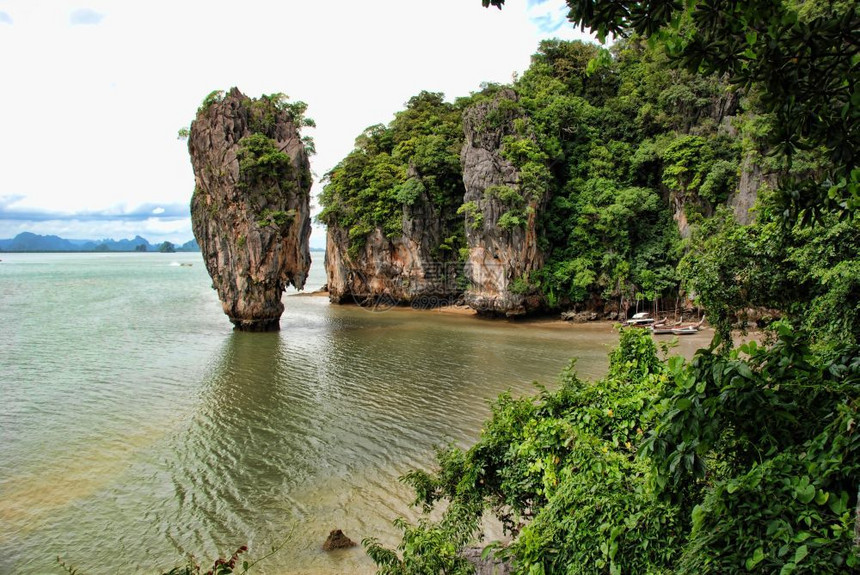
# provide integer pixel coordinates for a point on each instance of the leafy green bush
(212, 98)
(263, 164)
(761, 447)
(731, 463)
(511, 220)
(474, 216)
(413, 160)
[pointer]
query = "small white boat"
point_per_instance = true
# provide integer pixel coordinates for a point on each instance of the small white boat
(640, 319)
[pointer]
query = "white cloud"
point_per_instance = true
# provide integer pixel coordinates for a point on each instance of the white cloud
(97, 108)
(85, 17)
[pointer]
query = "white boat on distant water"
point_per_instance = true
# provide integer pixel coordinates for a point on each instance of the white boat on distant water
(640, 319)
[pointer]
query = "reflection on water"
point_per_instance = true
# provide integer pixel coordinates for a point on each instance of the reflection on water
(132, 438)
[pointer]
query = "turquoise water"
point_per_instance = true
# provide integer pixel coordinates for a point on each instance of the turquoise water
(138, 427)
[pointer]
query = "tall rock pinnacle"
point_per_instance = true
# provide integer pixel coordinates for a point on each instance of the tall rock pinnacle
(251, 205)
(501, 215)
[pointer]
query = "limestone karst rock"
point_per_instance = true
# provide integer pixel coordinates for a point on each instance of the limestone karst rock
(394, 270)
(500, 257)
(250, 210)
(394, 232)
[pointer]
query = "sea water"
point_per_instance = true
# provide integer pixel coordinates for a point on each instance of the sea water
(137, 427)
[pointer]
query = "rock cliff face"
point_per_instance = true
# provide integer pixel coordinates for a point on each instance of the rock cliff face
(500, 257)
(743, 199)
(251, 205)
(398, 270)
(721, 110)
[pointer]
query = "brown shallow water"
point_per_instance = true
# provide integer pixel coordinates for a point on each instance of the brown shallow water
(137, 427)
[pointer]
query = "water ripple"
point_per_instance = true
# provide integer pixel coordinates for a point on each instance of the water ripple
(137, 427)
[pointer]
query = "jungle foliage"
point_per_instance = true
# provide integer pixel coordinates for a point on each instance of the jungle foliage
(803, 55)
(660, 467)
(629, 141)
(612, 143)
(412, 164)
(741, 460)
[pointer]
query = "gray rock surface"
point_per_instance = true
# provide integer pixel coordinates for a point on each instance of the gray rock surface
(488, 566)
(253, 226)
(752, 179)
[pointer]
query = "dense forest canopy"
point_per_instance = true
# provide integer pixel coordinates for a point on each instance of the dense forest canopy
(608, 145)
(802, 57)
(641, 163)
(742, 460)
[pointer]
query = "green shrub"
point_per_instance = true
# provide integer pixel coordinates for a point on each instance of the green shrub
(263, 165)
(736, 463)
(474, 215)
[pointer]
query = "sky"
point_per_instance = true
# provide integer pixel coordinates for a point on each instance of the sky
(94, 91)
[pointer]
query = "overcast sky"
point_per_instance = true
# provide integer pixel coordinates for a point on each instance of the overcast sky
(94, 91)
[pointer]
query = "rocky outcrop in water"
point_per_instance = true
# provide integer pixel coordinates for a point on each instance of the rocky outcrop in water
(337, 540)
(250, 210)
(391, 210)
(502, 251)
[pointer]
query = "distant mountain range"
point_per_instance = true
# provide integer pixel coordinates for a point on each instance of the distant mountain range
(29, 242)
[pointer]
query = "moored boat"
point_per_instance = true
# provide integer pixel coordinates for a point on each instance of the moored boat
(661, 329)
(640, 319)
(686, 330)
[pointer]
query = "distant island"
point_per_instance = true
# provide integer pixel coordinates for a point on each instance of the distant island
(30, 242)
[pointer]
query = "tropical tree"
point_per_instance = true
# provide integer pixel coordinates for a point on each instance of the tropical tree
(802, 55)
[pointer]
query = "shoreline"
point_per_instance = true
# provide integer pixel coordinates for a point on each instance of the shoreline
(553, 322)
(463, 310)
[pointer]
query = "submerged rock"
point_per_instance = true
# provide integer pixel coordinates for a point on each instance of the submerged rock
(250, 211)
(337, 540)
(503, 247)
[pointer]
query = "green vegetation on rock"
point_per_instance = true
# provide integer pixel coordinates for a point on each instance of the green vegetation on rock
(616, 134)
(742, 460)
(414, 161)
